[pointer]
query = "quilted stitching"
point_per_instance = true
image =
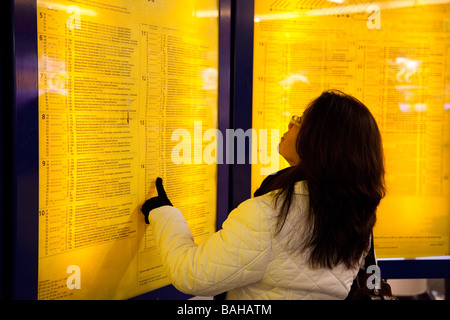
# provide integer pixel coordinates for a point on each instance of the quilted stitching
(245, 258)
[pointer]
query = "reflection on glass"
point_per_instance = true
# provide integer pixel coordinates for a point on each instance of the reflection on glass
(393, 56)
(116, 78)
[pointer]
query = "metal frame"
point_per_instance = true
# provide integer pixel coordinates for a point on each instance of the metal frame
(19, 134)
(21, 260)
(225, 40)
(241, 93)
(414, 268)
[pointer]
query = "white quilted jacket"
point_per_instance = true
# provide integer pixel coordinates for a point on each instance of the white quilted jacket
(245, 258)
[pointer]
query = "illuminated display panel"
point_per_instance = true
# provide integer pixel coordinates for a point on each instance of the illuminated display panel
(395, 57)
(116, 78)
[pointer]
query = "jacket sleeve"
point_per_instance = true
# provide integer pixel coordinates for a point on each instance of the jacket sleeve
(235, 256)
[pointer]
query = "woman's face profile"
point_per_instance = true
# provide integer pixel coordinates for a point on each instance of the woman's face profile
(288, 144)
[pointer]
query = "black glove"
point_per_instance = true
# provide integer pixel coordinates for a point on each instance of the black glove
(156, 202)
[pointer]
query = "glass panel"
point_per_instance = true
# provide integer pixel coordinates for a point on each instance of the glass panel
(116, 80)
(395, 57)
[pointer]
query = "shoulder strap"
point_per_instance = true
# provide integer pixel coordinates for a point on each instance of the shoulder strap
(370, 258)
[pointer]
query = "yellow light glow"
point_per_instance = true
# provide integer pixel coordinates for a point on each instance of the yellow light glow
(116, 78)
(394, 58)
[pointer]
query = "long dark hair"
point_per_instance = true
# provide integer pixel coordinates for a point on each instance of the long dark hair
(341, 158)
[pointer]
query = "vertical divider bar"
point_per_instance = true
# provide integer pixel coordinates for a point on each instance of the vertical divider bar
(224, 121)
(6, 149)
(26, 153)
(241, 95)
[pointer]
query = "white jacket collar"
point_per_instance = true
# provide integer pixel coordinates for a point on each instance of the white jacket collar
(301, 187)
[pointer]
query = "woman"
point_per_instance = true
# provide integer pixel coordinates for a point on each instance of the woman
(308, 228)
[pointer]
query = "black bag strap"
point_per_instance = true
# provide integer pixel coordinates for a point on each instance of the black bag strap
(370, 257)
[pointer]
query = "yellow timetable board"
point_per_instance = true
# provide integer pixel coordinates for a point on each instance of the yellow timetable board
(116, 79)
(395, 57)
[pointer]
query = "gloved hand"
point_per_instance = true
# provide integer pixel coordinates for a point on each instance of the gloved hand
(156, 202)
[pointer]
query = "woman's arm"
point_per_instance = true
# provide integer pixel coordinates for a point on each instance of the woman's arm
(235, 256)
